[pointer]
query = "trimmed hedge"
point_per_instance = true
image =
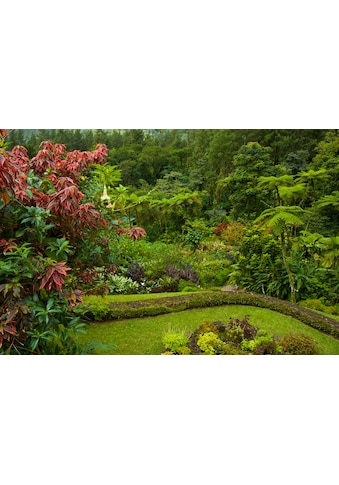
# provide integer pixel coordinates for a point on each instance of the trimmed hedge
(148, 308)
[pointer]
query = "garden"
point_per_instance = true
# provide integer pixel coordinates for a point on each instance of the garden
(127, 245)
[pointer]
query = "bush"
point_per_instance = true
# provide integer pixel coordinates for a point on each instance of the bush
(186, 273)
(185, 287)
(206, 327)
(235, 334)
(176, 343)
(121, 284)
(213, 272)
(298, 344)
(319, 306)
(207, 342)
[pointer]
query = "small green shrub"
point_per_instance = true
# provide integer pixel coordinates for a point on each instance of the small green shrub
(249, 331)
(184, 287)
(261, 345)
(228, 349)
(121, 284)
(206, 327)
(319, 306)
(298, 344)
(175, 342)
(184, 350)
(189, 289)
(234, 334)
(207, 342)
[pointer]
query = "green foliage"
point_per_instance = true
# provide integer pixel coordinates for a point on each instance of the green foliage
(260, 266)
(55, 329)
(188, 289)
(207, 327)
(95, 308)
(121, 284)
(261, 345)
(176, 343)
(245, 196)
(59, 249)
(319, 306)
(207, 342)
(298, 344)
(234, 334)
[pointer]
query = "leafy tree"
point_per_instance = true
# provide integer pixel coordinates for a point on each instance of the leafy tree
(327, 158)
(246, 199)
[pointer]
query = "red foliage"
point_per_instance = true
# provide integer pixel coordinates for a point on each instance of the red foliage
(134, 233)
(8, 245)
(53, 279)
(66, 201)
(87, 216)
(220, 228)
(100, 154)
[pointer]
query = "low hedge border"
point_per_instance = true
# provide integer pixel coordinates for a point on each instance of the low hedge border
(148, 308)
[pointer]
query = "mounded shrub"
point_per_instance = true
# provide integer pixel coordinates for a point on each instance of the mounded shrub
(298, 344)
(176, 343)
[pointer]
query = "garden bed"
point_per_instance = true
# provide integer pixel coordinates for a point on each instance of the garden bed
(102, 309)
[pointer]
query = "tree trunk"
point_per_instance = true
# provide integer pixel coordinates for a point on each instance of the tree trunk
(288, 269)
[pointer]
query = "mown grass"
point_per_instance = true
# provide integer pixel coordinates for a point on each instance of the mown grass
(143, 336)
(127, 298)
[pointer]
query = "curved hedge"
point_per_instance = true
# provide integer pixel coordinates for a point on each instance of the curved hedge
(146, 308)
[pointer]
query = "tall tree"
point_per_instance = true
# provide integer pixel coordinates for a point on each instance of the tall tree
(281, 220)
(245, 199)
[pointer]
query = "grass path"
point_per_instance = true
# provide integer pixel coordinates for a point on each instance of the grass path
(143, 336)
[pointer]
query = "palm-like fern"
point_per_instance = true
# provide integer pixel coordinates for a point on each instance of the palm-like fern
(329, 200)
(274, 183)
(280, 220)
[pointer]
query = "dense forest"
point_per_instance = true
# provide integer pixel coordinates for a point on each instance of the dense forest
(95, 211)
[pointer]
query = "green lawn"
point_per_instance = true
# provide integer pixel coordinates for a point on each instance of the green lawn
(138, 297)
(143, 336)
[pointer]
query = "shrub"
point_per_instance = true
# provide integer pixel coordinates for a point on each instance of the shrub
(207, 342)
(206, 327)
(248, 330)
(189, 289)
(136, 272)
(228, 349)
(184, 286)
(175, 342)
(184, 350)
(319, 306)
(234, 334)
(298, 344)
(186, 273)
(214, 272)
(121, 284)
